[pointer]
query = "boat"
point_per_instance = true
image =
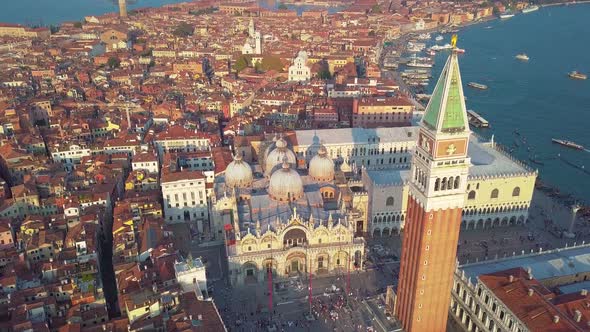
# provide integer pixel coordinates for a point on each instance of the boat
(440, 48)
(535, 161)
(530, 9)
(476, 120)
(460, 50)
(477, 85)
(424, 36)
(522, 57)
(506, 15)
(567, 143)
(439, 38)
(415, 63)
(577, 75)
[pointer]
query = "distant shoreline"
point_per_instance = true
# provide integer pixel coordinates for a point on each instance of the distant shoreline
(564, 3)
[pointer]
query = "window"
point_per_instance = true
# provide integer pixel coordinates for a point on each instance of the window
(495, 193)
(471, 195)
(516, 192)
(389, 201)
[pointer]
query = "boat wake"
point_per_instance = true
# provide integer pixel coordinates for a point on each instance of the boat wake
(587, 150)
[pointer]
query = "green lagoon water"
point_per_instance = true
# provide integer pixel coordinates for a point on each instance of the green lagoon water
(536, 98)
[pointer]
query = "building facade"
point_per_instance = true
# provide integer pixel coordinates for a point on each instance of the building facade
(371, 112)
(437, 184)
(288, 221)
(185, 198)
(299, 71)
(538, 291)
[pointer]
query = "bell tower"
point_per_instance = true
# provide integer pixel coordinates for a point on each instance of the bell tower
(123, 9)
(437, 190)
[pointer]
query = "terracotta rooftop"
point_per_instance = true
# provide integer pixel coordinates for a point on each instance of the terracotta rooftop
(531, 302)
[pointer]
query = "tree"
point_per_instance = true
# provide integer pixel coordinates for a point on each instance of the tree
(324, 74)
(132, 35)
(271, 62)
(77, 25)
(258, 67)
(376, 9)
(242, 62)
(146, 52)
(283, 6)
(183, 30)
(372, 33)
(113, 62)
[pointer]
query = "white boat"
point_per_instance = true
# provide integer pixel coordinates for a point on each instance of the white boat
(424, 36)
(439, 38)
(522, 57)
(440, 48)
(460, 50)
(530, 9)
(415, 47)
(415, 63)
(506, 16)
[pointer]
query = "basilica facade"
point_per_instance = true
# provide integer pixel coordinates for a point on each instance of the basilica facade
(287, 220)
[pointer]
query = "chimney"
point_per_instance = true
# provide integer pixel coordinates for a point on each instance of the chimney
(555, 319)
(190, 317)
(511, 279)
(584, 292)
(531, 291)
(577, 316)
(200, 317)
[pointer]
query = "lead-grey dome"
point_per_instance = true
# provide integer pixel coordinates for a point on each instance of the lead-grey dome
(285, 184)
(238, 173)
(321, 166)
(278, 155)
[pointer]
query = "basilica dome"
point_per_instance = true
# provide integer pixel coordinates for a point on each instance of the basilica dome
(269, 148)
(278, 155)
(321, 166)
(285, 184)
(238, 173)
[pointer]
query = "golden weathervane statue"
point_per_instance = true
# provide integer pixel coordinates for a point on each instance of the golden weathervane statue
(454, 41)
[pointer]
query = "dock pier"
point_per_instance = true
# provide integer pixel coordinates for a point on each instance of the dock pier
(477, 120)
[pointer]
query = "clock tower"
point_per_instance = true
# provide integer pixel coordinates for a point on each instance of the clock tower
(437, 190)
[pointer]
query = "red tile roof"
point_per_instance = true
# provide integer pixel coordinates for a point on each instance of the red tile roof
(530, 301)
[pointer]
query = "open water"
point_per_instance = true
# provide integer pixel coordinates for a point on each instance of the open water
(534, 98)
(48, 12)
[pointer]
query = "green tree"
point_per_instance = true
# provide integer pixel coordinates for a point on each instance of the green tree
(242, 62)
(77, 25)
(283, 6)
(146, 52)
(271, 62)
(183, 30)
(376, 9)
(258, 67)
(324, 74)
(372, 33)
(113, 62)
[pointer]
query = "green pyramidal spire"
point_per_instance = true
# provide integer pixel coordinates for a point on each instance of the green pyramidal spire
(445, 111)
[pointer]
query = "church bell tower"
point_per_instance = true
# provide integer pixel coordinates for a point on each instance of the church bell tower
(436, 197)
